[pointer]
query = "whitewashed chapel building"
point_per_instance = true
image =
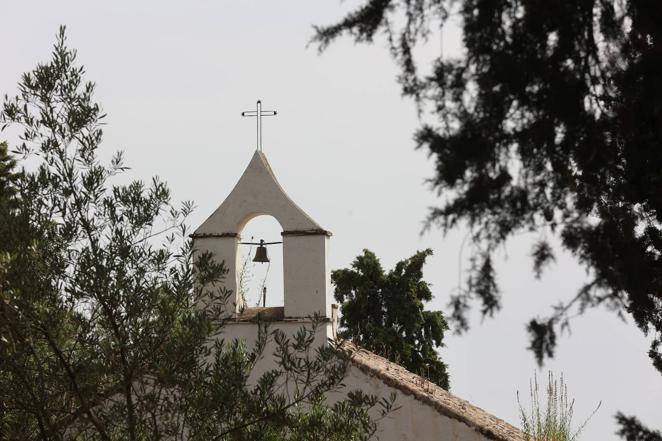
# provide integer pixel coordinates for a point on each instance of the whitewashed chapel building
(426, 411)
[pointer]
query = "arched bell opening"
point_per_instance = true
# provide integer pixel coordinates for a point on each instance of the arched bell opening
(260, 266)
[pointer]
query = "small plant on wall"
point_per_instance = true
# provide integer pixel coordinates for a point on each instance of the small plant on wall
(554, 421)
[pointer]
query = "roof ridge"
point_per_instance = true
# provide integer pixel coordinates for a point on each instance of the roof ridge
(424, 390)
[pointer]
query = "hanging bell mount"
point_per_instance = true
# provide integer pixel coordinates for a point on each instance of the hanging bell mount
(261, 255)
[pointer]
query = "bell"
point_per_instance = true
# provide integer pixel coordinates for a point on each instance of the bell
(261, 254)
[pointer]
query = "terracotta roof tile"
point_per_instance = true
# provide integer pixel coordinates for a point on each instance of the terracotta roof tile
(429, 393)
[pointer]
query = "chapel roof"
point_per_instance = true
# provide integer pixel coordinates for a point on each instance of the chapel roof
(429, 393)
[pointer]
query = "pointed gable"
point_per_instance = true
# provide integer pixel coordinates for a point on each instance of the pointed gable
(257, 193)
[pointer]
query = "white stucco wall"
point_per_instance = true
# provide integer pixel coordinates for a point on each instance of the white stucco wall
(414, 420)
(224, 249)
(247, 331)
(306, 276)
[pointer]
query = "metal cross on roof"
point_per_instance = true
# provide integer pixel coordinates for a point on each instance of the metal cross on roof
(259, 113)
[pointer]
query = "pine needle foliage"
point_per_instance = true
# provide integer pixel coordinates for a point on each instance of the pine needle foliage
(631, 429)
(547, 120)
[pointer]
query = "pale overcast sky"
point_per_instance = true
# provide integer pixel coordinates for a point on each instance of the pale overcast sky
(174, 77)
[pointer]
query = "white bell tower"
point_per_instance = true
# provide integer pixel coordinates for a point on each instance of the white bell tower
(306, 274)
